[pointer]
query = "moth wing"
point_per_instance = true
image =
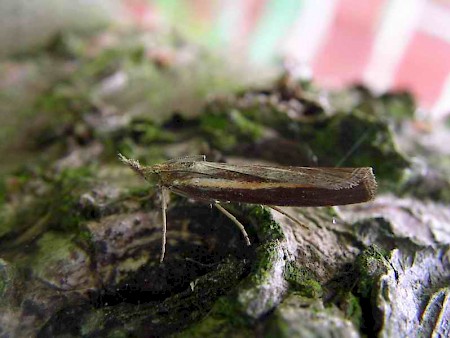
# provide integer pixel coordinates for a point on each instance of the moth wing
(328, 178)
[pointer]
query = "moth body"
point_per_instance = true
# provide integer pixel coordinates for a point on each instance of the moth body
(269, 185)
(282, 186)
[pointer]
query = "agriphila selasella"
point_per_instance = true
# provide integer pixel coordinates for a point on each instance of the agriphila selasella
(273, 186)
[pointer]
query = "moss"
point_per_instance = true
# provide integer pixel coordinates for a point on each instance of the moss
(353, 310)
(7, 280)
(228, 317)
(370, 264)
(267, 256)
(61, 110)
(63, 102)
(224, 320)
(350, 305)
(48, 262)
(57, 209)
(228, 128)
(227, 308)
(268, 228)
(3, 281)
(358, 137)
(173, 314)
(270, 234)
(85, 236)
(151, 154)
(146, 132)
(245, 126)
(359, 141)
(393, 106)
(277, 327)
(299, 316)
(262, 108)
(213, 327)
(2, 192)
(268, 253)
(52, 246)
(142, 194)
(435, 185)
(118, 333)
(302, 280)
(353, 138)
(399, 105)
(94, 322)
(64, 198)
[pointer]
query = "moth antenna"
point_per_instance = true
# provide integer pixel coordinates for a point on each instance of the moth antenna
(353, 148)
(134, 164)
(164, 191)
(288, 216)
(234, 220)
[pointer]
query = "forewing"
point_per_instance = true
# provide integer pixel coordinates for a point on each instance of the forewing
(327, 178)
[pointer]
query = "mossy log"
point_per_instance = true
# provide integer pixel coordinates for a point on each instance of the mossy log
(80, 233)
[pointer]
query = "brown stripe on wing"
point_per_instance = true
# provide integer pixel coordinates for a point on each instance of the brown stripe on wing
(281, 196)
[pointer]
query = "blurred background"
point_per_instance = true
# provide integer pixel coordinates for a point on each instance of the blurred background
(385, 44)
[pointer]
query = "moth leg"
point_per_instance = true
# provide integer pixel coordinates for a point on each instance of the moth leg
(288, 216)
(234, 220)
(164, 191)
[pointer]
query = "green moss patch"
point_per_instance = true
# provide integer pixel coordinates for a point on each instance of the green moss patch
(302, 281)
(370, 264)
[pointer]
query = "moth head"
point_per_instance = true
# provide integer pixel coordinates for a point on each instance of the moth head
(148, 173)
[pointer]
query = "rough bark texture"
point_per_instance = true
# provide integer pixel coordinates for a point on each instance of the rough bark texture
(80, 232)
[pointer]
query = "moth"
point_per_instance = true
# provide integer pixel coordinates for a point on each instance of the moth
(273, 186)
